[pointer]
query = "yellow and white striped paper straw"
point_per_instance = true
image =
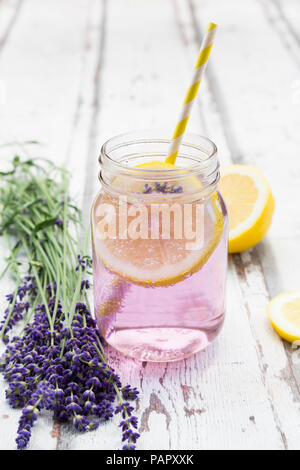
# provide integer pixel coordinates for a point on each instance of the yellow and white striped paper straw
(191, 93)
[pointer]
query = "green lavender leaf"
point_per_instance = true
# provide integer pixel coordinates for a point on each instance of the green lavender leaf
(46, 223)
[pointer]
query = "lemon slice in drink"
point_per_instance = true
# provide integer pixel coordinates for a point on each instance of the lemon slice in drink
(161, 261)
(284, 314)
(250, 205)
(156, 165)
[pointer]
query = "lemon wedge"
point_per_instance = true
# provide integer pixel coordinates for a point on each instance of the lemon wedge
(250, 205)
(159, 262)
(284, 314)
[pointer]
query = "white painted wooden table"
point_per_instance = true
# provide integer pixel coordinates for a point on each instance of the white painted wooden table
(75, 72)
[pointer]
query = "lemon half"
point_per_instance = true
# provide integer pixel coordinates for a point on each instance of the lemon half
(284, 314)
(250, 205)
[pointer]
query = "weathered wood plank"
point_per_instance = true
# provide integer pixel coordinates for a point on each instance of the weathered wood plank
(264, 121)
(9, 12)
(283, 18)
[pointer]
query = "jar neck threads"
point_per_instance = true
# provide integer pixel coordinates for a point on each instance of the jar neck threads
(120, 155)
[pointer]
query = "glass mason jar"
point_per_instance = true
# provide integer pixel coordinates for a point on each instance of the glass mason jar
(159, 247)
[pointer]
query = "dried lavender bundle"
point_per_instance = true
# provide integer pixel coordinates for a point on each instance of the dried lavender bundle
(58, 361)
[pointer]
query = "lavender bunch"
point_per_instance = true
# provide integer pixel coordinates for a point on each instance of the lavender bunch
(57, 362)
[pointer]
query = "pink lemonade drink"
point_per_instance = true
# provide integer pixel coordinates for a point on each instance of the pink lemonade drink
(159, 247)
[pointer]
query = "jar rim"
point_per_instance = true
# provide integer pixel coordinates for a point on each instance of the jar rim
(190, 140)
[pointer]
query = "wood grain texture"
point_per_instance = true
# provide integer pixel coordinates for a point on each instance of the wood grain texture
(265, 147)
(125, 64)
(9, 12)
